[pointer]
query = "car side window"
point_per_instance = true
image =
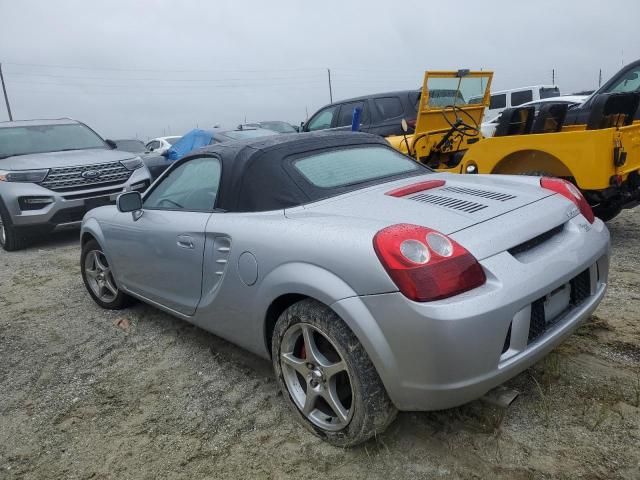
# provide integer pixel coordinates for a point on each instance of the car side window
(389, 107)
(518, 98)
(346, 114)
(498, 101)
(322, 120)
(192, 186)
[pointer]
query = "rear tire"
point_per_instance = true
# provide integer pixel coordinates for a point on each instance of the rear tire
(536, 173)
(347, 403)
(604, 211)
(99, 280)
(607, 211)
(11, 239)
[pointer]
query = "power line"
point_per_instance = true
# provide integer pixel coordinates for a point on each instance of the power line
(163, 70)
(156, 79)
(255, 84)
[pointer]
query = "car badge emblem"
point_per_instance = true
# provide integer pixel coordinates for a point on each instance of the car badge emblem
(572, 212)
(90, 174)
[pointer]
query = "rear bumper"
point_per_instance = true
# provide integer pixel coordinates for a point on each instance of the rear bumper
(66, 208)
(442, 354)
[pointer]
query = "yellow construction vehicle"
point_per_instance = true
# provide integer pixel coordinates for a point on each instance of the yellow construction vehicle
(601, 156)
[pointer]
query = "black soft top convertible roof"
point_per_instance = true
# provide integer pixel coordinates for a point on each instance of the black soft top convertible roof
(255, 173)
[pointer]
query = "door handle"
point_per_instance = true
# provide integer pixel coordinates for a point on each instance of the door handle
(185, 241)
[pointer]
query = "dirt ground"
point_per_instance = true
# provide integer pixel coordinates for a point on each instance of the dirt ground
(86, 393)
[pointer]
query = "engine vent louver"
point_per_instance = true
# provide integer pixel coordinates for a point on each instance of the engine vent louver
(501, 197)
(448, 202)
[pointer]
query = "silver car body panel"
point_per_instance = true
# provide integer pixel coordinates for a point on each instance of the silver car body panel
(429, 355)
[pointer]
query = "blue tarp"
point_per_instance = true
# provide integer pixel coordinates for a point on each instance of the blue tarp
(192, 140)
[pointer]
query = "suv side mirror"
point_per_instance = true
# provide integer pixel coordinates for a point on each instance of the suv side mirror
(111, 144)
(129, 202)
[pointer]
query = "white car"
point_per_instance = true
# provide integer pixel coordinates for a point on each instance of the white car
(488, 129)
(161, 144)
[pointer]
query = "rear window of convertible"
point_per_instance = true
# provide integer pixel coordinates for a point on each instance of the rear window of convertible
(349, 166)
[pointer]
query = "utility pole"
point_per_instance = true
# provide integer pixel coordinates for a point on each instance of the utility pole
(600, 78)
(6, 98)
(553, 76)
(330, 91)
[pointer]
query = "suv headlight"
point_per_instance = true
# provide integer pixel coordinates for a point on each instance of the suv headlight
(27, 176)
(132, 163)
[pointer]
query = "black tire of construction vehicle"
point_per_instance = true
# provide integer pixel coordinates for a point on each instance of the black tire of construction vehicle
(536, 173)
(370, 410)
(607, 211)
(604, 211)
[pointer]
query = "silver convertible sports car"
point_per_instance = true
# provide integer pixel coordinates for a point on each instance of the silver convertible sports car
(372, 283)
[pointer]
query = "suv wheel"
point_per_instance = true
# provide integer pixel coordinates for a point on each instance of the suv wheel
(10, 237)
(326, 376)
(98, 278)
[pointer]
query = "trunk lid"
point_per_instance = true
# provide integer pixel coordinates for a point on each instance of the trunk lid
(463, 201)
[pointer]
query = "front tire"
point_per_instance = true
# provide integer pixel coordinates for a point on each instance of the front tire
(11, 238)
(98, 278)
(327, 378)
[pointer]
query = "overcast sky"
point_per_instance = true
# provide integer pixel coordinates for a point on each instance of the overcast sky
(163, 67)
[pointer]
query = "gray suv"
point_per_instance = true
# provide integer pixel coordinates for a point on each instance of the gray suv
(53, 171)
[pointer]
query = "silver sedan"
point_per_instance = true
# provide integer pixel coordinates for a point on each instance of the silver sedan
(371, 283)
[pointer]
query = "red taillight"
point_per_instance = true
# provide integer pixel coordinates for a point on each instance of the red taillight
(425, 264)
(570, 191)
(415, 187)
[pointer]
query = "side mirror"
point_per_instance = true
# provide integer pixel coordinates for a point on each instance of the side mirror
(404, 125)
(129, 202)
(301, 128)
(111, 144)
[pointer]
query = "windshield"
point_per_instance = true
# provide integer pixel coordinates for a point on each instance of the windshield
(445, 91)
(240, 134)
(280, 127)
(132, 146)
(172, 140)
(47, 138)
(630, 82)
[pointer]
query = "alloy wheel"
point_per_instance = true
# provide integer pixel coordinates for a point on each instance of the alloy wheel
(317, 377)
(99, 276)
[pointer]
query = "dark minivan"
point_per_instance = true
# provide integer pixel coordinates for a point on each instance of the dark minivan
(382, 113)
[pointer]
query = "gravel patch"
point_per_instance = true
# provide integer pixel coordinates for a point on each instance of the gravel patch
(88, 393)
